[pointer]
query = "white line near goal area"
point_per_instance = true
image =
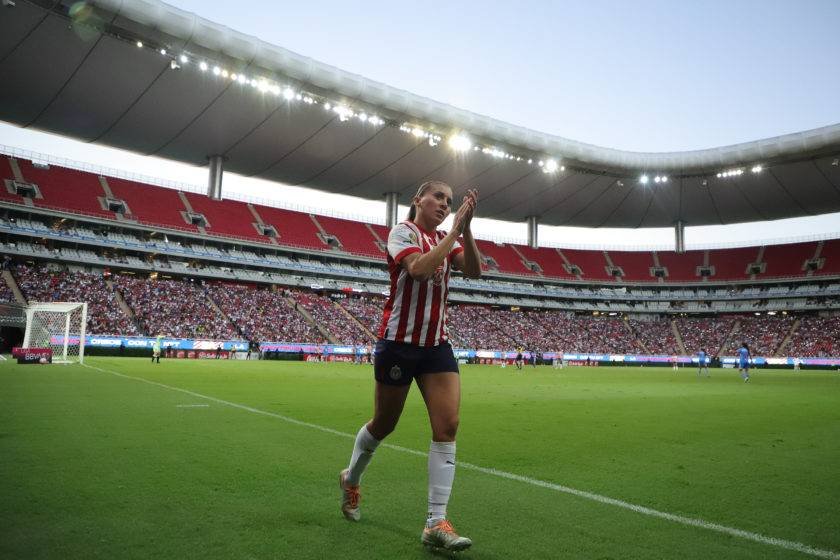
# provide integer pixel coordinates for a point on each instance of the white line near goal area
(688, 521)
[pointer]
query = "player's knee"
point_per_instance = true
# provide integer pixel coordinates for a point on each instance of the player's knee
(380, 428)
(446, 429)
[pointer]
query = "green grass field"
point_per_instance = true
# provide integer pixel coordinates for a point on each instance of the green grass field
(99, 465)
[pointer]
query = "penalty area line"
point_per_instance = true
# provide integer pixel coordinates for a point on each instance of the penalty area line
(682, 520)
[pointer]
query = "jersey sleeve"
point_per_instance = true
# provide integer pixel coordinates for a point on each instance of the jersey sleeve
(402, 241)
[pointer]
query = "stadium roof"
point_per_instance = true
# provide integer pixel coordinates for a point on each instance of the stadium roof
(128, 73)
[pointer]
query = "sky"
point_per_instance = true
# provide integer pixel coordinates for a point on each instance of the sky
(649, 76)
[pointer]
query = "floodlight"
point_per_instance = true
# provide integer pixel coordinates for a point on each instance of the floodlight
(460, 143)
(288, 94)
(139, 44)
(551, 166)
(643, 179)
(184, 59)
(203, 66)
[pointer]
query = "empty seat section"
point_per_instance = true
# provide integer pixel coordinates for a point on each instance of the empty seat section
(731, 264)
(7, 173)
(635, 264)
(505, 257)
(295, 229)
(226, 217)
(355, 237)
(381, 231)
(831, 253)
(548, 259)
(682, 267)
(787, 260)
(591, 263)
(151, 205)
(67, 189)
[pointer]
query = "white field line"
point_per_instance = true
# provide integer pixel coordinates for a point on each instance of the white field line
(689, 521)
(192, 406)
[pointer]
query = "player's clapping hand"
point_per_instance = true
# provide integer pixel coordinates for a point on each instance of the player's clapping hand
(465, 213)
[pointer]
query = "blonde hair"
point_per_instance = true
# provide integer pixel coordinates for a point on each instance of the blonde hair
(412, 212)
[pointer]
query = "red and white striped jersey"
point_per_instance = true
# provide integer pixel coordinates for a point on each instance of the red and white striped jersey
(415, 312)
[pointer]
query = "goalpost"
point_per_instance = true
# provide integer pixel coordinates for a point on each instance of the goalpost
(59, 326)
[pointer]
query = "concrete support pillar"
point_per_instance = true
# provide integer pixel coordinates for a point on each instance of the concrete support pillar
(679, 236)
(533, 226)
(392, 200)
(214, 181)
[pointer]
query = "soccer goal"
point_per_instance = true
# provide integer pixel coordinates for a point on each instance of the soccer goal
(59, 326)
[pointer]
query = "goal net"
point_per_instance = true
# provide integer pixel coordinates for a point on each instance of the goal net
(58, 326)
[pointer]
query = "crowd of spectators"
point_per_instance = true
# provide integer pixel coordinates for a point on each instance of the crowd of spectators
(816, 337)
(706, 333)
(327, 313)
(185, 309)
(656, 335)
(6, 292)
(262, 314)
(473, 326)
(174, 308)
(763, 334)
(43, 284)
(367, 310)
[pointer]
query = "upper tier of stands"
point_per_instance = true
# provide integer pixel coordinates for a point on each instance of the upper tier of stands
(84, 193)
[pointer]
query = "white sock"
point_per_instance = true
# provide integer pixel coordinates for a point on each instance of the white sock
(441, 475)
(363, 450)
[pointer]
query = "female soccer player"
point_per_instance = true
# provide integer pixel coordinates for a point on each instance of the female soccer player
(744, 361)
(413, 345)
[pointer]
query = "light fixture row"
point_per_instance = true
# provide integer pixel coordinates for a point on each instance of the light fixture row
(459, 142)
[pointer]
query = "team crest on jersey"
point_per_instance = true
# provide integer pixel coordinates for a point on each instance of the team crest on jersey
(413, 237)
(395, 373)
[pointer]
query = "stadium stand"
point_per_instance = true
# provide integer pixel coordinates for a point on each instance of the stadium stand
(263, 314)
(763, 334)
(731, 264)
(293, 228)
(175, 308)
(831, 253)
(787, 260)
(706, 333)
(226, 217)
(367, 310)
(591, 264)
(39, 283)
(656, 336)
(64, 188)
(636, 265)
(328, 314)
(681, 267)
(816, 337)
(354, 237)
(150, 204)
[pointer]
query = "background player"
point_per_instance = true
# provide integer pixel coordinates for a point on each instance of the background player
(744, 361)
(702, 363)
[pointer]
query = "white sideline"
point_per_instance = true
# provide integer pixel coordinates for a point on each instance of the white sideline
(689, 521)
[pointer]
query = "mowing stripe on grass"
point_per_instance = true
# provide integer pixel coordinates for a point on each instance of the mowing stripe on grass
(689, 521)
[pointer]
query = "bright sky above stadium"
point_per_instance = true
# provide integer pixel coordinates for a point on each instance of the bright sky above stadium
(641, 76)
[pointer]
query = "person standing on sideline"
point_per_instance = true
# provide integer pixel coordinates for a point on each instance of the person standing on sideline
(744, 361)
(156, 349)
(413, 345)
(702, 363)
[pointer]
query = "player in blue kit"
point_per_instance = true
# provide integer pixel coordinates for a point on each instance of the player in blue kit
(702, 363)
(744, 361)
